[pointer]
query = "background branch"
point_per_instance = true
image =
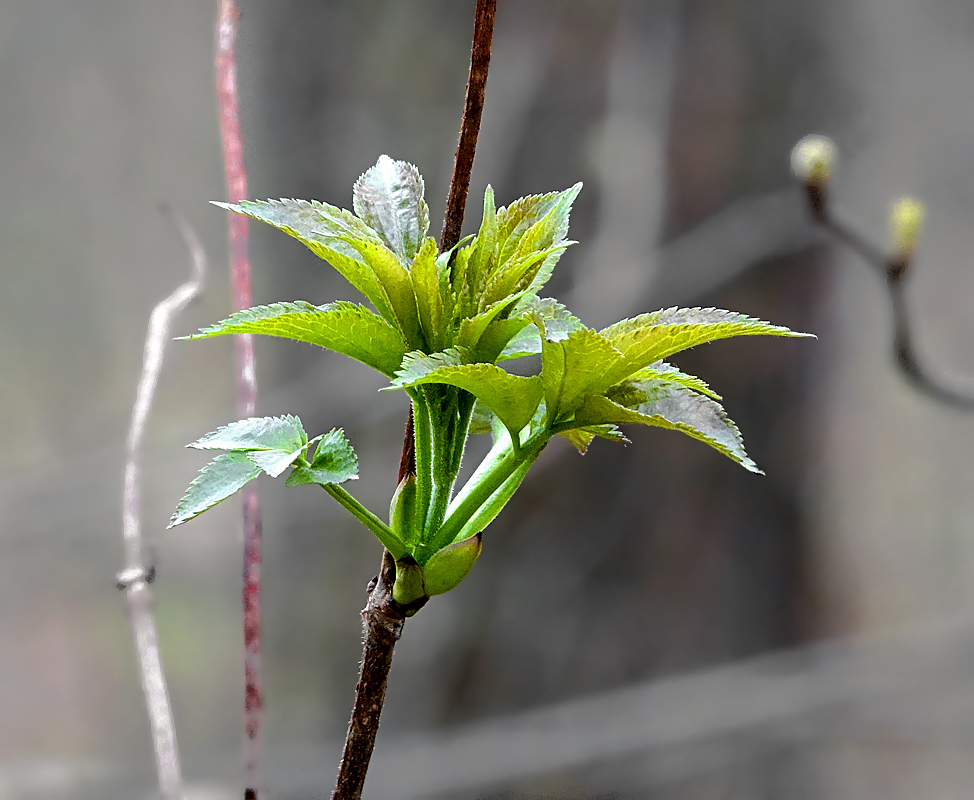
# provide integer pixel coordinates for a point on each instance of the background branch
(236, 179)
(134, 580)
(894, 270)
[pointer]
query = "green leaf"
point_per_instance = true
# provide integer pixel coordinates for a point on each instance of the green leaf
(574, 368)
(346, 328)
(389, 199)
(326, 231)
(670, 405)
(513, 398)
(256, 433)
(218, 480)
(334, 462)
(648, 338)
(274, 462)
(428, 289)
(396, 284)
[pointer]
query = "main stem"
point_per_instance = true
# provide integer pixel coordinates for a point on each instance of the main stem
(236, 180)
(382, 617)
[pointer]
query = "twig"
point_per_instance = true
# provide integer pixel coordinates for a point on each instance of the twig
(382, 617)
(473, 106)
(134, 580)
(894, 270)
(236, 179)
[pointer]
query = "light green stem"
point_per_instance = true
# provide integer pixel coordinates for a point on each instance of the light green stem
(484, 485)
(382, 532)
(422, 436)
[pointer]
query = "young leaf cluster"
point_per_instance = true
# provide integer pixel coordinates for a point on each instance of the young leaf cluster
(440, 326)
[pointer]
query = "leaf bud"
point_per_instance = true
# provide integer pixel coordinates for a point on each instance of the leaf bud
(812, 158)
(905, 221)
(449, 566)
(408, 588)
(403, 517)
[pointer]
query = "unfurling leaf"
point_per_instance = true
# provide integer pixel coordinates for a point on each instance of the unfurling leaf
(389, 199)
(346, 328)
(334, 462)
(218, 480)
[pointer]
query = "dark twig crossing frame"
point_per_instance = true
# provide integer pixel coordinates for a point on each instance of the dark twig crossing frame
(382, 617)
(236, 179)
(894, 269)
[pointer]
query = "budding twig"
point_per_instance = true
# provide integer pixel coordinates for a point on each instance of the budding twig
(382, 617)
(812, 161)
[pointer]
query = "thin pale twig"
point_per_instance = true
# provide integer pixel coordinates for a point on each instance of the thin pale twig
(137, 576)
(236, 179)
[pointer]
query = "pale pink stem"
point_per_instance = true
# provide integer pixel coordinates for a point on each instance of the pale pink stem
(236, 180)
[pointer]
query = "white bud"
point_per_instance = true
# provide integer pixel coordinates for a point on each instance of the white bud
(812, 158)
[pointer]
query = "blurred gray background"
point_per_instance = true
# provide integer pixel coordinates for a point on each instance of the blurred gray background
(644, 622)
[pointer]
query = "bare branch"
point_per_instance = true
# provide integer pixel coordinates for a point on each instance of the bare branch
(136, 576)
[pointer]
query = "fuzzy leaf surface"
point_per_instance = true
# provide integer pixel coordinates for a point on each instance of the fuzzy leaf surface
(648, 338)
(389, 199)
(513, 398)
(670, 405)
(334, 462)
(558, 321)
(218, 480)
(667, 372)
(326, 231)
(346, 328)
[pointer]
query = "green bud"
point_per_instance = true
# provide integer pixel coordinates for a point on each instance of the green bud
(905, 220)
(408, 587)
(450, 565)
(403, 516)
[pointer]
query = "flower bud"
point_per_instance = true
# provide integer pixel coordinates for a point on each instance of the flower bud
(812, 158)
(449, 566)
(905, 221)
